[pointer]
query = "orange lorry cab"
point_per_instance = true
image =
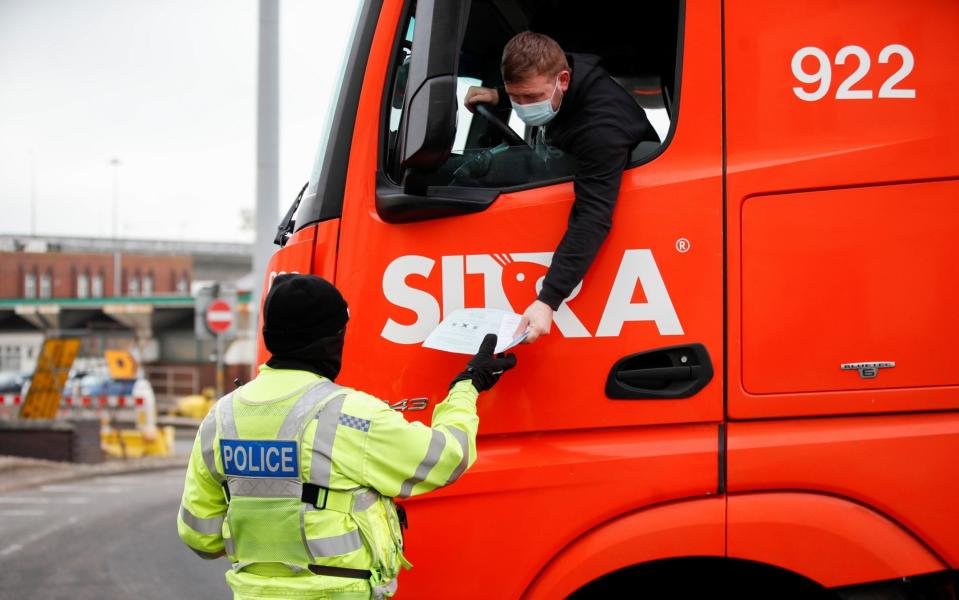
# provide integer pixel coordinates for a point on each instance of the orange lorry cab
(755, 388)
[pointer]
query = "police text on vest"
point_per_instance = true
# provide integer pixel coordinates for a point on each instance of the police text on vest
(260, 458)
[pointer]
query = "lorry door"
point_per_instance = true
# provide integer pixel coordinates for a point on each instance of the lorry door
(842, 213)
(620, 406)
(657, 281)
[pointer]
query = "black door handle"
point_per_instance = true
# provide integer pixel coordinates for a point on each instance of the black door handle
(659, 374)
(673, 372)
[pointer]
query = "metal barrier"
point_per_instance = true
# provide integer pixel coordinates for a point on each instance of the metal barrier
(112, 411)
(172, 383)
(139, 409)
(101, 401)
(10, 405)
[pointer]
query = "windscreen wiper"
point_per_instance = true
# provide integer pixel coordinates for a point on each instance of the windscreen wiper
(285, 229)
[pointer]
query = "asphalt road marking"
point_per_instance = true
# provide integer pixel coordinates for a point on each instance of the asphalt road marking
(22, 513)
(77, 489)
(14, 548)
(42, 500)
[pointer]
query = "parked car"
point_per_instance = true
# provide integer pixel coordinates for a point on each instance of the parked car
(13, 383)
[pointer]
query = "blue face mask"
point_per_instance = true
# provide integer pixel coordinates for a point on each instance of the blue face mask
(537, 113)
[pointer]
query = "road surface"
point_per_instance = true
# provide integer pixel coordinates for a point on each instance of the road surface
(108, 538)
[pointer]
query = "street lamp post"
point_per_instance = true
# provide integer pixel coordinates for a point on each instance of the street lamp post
(115, 163)
(33, 193)
(267, 148)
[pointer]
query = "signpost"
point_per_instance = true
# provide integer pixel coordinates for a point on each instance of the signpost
(121, 364)
(46, 387)
(219, 316)
(216, 318)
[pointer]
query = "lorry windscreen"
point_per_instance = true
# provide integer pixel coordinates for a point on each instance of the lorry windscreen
(323, 198)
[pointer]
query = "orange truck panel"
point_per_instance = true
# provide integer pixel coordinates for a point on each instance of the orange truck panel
(327, 235)
(901, 466)
(860, 274)
(839, 219)
(842, 139)
(526, 500)
(295, 257)
(680, 529)
(830, 540)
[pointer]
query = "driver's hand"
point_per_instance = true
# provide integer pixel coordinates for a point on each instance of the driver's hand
(538, 317)
(480, 95)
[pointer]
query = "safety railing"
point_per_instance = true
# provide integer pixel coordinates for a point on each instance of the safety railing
(171, 383)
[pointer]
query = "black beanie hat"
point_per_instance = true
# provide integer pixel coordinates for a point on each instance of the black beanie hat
(298, 310)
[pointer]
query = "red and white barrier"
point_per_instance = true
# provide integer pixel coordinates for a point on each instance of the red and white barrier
(81, 401)
(101, 401)
(139, 407)
(10, 400)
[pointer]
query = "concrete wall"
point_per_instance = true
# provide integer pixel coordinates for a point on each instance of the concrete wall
(76, 441)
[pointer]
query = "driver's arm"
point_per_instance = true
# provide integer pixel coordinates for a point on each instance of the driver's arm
(601, 157)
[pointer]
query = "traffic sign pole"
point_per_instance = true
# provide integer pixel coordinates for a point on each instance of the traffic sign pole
(219, 320)
(219, 365)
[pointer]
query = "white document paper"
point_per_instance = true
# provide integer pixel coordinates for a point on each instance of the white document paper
(463, 330)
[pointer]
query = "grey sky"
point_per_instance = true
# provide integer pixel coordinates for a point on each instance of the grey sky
(169, 88)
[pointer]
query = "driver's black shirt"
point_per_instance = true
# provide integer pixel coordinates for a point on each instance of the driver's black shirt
(599, 124)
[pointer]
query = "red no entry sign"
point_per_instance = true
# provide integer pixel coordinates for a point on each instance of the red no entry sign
(219, 316)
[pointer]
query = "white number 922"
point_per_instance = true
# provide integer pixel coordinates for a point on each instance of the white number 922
(823, 75)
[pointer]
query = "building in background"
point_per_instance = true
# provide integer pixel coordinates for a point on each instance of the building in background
(136, 295)
(45, 275)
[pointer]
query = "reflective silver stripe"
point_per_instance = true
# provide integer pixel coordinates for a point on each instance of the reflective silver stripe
(336, 545)
(264, 487)
(294, 419)
(227, 422)
(228, 546)
(364, 500)
(322, 460)
(433, 454)
(207, 436)
(304, 508)
(385, 590)
(211, 526)
(463, 439)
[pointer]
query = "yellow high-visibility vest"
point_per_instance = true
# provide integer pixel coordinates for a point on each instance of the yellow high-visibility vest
(292, 477)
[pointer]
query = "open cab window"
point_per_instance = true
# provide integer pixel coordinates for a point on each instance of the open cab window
(489, 151)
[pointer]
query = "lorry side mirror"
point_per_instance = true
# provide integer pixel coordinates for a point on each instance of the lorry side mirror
(428, 125)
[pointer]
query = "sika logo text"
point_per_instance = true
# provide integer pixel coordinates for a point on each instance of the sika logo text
(510, 281)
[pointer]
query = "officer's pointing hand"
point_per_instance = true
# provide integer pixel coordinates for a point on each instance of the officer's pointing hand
(485, 369)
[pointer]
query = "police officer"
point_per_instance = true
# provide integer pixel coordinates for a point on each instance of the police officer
(577, 107)
(292, 476)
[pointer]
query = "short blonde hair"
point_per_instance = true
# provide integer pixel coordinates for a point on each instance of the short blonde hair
(528, 54)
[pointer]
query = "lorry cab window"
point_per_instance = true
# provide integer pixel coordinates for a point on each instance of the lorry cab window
(484, 155)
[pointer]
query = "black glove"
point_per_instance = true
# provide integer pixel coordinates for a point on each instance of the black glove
(484, 369)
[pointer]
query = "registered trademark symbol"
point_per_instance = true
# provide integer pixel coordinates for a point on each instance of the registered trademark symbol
(682, 245)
